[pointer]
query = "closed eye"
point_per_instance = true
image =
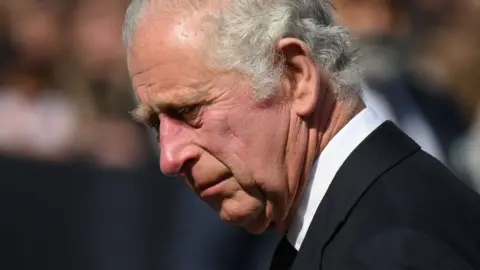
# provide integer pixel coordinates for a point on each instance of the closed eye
(187, 113)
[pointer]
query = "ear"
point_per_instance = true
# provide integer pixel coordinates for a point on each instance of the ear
(301, 73)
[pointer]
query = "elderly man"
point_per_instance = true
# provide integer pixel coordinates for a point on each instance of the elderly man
(258, 106)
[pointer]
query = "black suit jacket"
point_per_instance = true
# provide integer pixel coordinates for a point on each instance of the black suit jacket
(391, 206)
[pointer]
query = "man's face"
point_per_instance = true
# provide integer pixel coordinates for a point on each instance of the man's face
(230, 149)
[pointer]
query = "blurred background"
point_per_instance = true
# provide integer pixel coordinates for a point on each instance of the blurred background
(80, 186)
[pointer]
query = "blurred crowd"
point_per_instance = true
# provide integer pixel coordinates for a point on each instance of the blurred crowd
(64, 88)
(422, 67)
(65, 92)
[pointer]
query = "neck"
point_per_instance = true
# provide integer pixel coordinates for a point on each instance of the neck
(322, 126)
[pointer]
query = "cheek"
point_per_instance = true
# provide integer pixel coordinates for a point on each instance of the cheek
(257, 133)
(248, 141)
(221, 139)
(232, 132)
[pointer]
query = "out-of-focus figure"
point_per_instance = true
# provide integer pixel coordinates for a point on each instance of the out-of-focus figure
(64, 93)
(101, 83)
(455, 49)
(37, 118)
(397, 86)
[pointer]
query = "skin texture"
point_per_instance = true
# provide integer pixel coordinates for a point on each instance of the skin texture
(248, 160)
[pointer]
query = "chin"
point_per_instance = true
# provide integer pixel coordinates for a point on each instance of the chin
(251, 217)
(254, 223)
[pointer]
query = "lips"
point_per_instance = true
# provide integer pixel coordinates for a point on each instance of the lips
(213, 187)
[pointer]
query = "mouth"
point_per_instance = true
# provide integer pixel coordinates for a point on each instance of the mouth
(213, 187)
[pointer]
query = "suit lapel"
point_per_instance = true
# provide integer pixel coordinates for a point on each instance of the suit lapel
(380, 151)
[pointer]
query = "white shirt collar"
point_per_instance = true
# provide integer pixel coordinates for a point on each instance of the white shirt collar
(326, 166)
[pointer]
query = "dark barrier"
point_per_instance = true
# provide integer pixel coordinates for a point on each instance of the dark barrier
(79, 217)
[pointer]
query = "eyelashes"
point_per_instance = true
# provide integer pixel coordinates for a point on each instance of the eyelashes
(188, 115)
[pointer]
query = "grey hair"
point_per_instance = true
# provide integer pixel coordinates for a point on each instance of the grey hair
(247, 31)
(132, 16)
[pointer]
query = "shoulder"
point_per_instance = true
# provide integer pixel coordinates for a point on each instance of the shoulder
(422, 180)
(403, 248)
(416, 195)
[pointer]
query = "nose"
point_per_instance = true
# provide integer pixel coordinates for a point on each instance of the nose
(176, 147)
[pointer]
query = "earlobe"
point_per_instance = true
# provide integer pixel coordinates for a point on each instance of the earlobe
(301, 72)
(305, 101)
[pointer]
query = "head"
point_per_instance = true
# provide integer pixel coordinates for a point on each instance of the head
(241, 94)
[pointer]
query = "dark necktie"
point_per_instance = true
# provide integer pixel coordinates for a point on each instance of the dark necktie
(284, 255)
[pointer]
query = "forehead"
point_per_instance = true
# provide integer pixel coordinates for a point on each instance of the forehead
(160, 35)
(166, 53)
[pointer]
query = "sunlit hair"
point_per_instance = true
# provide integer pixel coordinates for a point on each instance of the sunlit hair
(245, 33)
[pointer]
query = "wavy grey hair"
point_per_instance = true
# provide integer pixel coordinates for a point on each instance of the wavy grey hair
(246, 32)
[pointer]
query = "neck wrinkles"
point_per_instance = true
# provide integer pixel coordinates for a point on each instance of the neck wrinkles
(330, 117)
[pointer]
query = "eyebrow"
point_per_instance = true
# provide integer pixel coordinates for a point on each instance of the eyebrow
(146, 114)
(143, 114)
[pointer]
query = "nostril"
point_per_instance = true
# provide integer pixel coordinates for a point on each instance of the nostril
(174, 163)
(186, 170)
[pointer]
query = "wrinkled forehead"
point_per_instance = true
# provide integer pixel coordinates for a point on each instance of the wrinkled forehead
(160, 33)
